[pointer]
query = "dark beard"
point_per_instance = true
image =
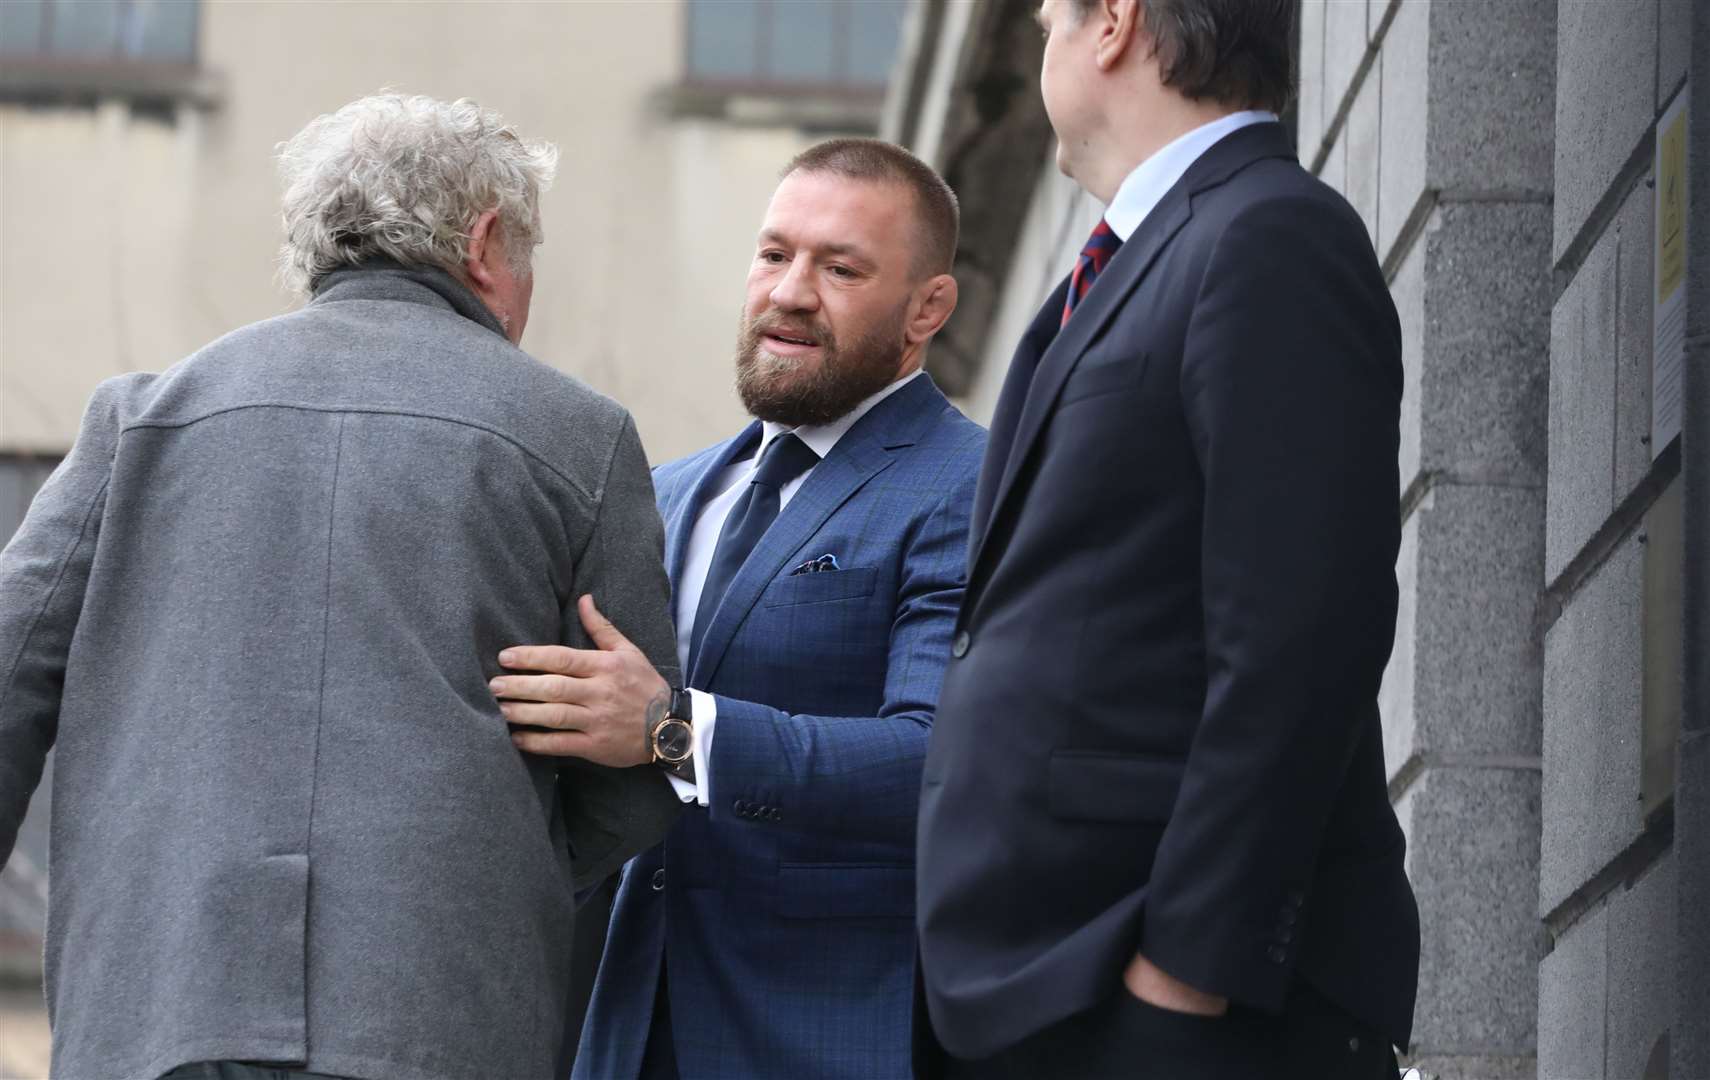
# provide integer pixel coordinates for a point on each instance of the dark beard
(777, 389)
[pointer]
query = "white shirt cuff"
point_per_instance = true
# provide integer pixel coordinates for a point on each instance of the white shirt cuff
(705, 709)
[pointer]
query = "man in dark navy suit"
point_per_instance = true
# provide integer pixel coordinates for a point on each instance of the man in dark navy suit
(816, 561)
(1155, 835)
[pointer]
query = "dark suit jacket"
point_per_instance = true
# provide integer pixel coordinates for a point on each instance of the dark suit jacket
(1159, 731)
(785, 910)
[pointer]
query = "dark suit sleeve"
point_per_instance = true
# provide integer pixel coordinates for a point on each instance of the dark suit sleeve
(43, 574)
(858, 775)
(1290, 382)
(613, 814)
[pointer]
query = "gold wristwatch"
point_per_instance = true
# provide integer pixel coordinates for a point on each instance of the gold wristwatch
(672, 739)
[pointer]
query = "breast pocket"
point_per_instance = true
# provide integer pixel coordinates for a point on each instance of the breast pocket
(1100, 373)
(821, 588)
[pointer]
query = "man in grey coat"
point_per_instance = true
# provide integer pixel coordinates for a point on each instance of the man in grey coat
(256, 608)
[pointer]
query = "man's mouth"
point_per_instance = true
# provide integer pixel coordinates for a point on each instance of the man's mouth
(789, 342)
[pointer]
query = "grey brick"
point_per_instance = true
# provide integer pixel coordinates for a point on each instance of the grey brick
(1642, 950)
(1492, 104)
(1582, 407)
(1405, 94)
(1344, 48)
(1310, 107)
(1477, 669)
(1674, 42)
(1472, 859)
(1361, 135)
(1593, 679)
(1573, 984)
(1637, 243)
(1605, 101)
(1482, 385)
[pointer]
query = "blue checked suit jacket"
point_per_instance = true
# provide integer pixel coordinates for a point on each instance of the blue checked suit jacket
(784, 910)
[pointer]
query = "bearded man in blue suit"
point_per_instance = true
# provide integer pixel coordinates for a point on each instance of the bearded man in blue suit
(817, 562)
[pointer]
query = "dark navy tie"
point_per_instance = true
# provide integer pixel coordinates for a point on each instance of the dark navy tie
(1095, 256)
(785, 459)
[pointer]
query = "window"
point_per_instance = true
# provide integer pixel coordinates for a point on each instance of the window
(96, 31)
(79, 52)
(793, 45)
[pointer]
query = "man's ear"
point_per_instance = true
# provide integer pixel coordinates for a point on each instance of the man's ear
(475, 264)
(1119, 30)
(936, 299)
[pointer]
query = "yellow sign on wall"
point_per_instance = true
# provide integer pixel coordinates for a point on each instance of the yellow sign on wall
(1668, 315)
(1671, 205)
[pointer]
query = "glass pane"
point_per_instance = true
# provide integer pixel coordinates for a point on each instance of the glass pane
(20, 26)
(85, 27)
(874, 29)
(804, 39)
(724, 39)
(161, 30)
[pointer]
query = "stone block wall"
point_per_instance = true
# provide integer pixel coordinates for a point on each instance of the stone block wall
(1433, 118)
(1606, 894)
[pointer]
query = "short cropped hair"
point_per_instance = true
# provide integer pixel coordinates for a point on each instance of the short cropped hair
(1233, 52)
(405, 178)
(874, 159)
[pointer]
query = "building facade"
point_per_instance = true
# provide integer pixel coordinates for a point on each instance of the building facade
(1540, 707)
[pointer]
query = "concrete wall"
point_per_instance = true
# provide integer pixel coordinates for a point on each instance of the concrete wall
(1434, 119)
(126, 242)
(1607, 887)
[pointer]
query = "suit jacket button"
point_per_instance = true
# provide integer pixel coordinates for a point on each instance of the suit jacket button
(740, 807)
(1285, 934)
(659, 880)
(1277, 954)
(959, 648)
(772, 813)
(1287, 917)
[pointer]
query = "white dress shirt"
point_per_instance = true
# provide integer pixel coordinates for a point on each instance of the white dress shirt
(1153, 178)
(703, 541)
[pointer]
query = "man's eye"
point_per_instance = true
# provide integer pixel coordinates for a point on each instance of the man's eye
(773, 257)
(842, 272)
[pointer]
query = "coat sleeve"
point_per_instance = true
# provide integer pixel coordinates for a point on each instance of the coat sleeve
(1291, 382)
(43, 574)
(856, 775)
(613, 814)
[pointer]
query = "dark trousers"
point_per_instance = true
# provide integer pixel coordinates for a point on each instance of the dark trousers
(1123, 1038)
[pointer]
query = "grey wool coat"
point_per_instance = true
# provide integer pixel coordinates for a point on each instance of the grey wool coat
(256, 609)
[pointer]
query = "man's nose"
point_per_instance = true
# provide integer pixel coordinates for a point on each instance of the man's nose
(795, 291)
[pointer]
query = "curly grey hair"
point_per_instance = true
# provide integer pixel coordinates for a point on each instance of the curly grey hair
(406, 177)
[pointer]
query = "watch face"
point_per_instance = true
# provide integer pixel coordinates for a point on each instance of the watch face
(673, 741)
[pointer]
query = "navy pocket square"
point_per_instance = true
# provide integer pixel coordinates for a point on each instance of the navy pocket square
(816, 566)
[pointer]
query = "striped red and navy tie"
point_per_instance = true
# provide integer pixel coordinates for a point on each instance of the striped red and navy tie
(1101, 245)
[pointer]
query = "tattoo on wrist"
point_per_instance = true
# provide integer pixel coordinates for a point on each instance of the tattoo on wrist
(653, 717)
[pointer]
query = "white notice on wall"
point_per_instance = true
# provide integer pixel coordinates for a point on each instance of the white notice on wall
(1668, 321)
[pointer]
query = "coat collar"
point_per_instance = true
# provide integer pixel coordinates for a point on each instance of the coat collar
(384, 279)
(1050, 360)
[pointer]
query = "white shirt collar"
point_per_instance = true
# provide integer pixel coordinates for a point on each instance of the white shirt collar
(820, 438)
(1153, 178)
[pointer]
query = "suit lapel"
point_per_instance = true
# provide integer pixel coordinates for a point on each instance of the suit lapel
(861, 454)
(1007, 416)
(1125, 272)
(1127, 269)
